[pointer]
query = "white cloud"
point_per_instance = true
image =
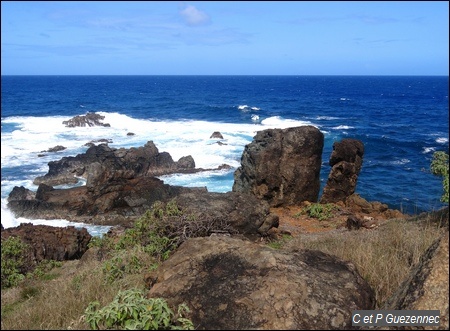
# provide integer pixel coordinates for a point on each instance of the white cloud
(194, 17)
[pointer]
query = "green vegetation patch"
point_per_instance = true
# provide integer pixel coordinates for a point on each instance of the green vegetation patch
(130, 310)
(320, 211)
(13, 259)
(439, 167)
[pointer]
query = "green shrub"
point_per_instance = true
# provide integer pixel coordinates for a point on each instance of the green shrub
(130, 310)
(439, 167)
(13, 257)
(320, 211)
(123, 262)
(158, 233)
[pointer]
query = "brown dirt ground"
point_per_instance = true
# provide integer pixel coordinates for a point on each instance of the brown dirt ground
(294, 221)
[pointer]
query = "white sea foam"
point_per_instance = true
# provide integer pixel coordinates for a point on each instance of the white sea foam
(246, 108)
(401, 161)
(428, 150)
(442, 140)
(343, 127)
(9, 221)
(281, 123)
(328, 118)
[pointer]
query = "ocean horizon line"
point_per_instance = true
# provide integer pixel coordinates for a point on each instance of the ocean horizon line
(221, 75)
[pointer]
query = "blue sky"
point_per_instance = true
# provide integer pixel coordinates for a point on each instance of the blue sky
(225, 38)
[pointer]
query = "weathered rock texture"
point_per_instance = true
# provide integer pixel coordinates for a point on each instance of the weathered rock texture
(131, 162)
(243, 211)
(346, 162)
(49, 243)
(119, 201)
(361, 207)
(114, 200)
(282, 166)
(427, 286)
(231, 284)
(90, 119)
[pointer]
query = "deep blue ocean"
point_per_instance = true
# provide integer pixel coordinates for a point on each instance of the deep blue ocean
(401, 120)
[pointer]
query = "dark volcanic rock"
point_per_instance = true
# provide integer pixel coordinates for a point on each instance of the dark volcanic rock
(90, 119)
(49, 243)
(232, 284)
(21, 193)
(427, 286)
(346, 161)
(243, 211)
(120, 201)
(282, 166)
(136, 162)
(216, 135)
(117, 200)
(98, 141)
(57, 148)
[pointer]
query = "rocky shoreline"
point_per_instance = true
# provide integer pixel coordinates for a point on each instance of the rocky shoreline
(279, 169)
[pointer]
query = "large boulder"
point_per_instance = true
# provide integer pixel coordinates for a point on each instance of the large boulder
(427, 286)
(49, 243)
(346, 162)
(234, 284)
(282, 166)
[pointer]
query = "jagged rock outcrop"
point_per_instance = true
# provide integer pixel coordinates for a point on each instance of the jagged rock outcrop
(49, 243)
(346, 162)
(282, 166)
(232, 284)
(247, 214)
(120, 201)
(55, 149)
(427, 286)
(216, 135)
(135, 162)
(21, 193)
(362, 207)
(90, 119)
(98, 141)
(115, 200)
(120, 187)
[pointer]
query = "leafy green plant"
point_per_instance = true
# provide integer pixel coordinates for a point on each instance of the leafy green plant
(130, 310)
(123, 262)
(439, 167)
(320, 211)
(152, 230)
(13, 257)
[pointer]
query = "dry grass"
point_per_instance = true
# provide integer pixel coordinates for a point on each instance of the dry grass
(383, 257)
(59, 304)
